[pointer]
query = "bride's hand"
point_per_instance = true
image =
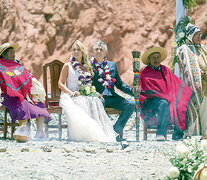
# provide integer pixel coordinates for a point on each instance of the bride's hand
(75, 93)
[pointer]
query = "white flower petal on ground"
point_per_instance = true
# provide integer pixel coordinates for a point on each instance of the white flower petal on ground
(174, 172)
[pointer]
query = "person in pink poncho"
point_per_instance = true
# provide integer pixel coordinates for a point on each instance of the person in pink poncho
(164, 97)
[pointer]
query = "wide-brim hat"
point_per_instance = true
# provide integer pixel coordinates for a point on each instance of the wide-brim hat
(5, 46)
(161, 50)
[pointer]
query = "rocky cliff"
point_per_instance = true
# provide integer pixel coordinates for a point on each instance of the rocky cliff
(46, 29)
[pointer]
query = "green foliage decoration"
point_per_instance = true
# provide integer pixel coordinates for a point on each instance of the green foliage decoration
(180, 35)
(187, 159)
(180, 29)
(191, 4)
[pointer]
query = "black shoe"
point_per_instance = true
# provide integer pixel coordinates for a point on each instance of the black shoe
(120, 138)
(177, 134)
(177, 138)
(124, 144)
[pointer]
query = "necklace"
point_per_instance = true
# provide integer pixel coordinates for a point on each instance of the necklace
(84, 76)
(103, 72)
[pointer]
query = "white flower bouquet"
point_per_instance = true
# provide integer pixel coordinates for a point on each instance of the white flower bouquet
(189, 160)
(88, 90)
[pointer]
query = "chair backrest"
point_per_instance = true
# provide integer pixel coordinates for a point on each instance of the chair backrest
(53, 69)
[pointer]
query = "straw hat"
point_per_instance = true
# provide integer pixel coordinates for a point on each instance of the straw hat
(5, 46)
(161, 50)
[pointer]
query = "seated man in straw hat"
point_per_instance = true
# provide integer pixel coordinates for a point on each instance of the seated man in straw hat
(164, 97)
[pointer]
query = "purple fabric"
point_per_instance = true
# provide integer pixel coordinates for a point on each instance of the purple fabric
(24, 110)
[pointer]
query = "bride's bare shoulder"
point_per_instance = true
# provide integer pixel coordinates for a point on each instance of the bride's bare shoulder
(67, 65)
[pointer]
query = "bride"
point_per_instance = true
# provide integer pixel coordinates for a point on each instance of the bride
(86, 117)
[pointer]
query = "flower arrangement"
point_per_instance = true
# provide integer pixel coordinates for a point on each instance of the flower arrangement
(188, 160)
(88, 90)
(84, 79)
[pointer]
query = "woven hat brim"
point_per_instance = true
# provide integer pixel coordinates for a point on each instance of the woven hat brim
(161, 50)
(15, 46)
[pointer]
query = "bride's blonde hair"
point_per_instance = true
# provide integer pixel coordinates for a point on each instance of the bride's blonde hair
(84, 59)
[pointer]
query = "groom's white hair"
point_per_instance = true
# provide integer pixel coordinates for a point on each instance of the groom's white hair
(100, 43)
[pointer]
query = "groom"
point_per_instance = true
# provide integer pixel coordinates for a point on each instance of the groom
(105, 78)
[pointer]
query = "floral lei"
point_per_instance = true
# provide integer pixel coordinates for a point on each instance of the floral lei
(84, 76)
(104, 73)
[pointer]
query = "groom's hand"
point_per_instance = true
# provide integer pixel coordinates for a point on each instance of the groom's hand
(135, 90)
(100, 95)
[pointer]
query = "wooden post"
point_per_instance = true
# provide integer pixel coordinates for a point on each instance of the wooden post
(136, 84)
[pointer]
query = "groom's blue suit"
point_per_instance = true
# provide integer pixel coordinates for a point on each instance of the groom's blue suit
(115, 101)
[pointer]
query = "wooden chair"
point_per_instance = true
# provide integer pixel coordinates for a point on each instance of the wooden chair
(111, 111)
(151, 129)
(52, 99)
(5, 124)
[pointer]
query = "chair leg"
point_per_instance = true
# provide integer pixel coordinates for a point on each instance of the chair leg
(5, 123)
(29, 124)
(12, 131)
(46, 129)
(145, 132)
(68, 134)
(60, 127)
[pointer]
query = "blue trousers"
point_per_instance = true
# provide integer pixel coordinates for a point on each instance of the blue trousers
(160, 108)
(126, 106)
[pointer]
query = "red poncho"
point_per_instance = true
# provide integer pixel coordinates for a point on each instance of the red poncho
(15, 80)
(166, 86)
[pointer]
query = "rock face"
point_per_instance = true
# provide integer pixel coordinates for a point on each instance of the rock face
(46, 29)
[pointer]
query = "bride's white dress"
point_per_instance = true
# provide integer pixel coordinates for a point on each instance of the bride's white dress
(86, 117)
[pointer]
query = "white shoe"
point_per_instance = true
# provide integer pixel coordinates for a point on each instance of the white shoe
(160, 138)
